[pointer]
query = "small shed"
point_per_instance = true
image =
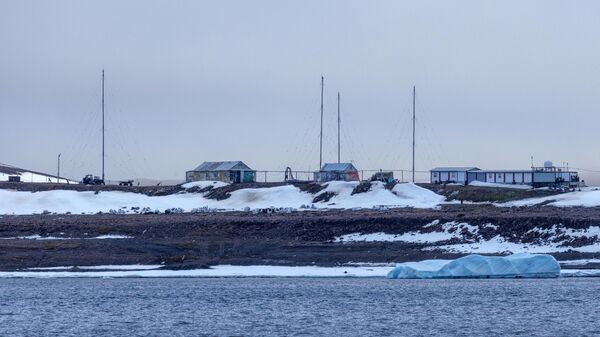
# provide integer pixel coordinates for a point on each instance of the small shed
(337, 171)
(446, 175)
(226, 171)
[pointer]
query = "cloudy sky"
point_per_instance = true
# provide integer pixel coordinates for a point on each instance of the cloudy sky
(188, 81)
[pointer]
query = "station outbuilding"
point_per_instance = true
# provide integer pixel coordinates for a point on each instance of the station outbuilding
(226, 171)
(451, 175)
(548, 175)
(337, 171)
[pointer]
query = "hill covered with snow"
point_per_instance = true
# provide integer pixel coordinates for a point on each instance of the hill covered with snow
(195, 198)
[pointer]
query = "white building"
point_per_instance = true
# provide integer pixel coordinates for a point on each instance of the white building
(449, 175)
(548, 175)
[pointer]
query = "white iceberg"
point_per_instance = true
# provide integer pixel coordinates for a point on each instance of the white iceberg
(477, 266)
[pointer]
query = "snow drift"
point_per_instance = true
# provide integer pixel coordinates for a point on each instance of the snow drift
(285, 197)
(478, 266)
(587, 197)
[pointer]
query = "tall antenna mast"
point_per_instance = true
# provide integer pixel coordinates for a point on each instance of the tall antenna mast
(102, 124)
(338, 101)
(413, 137)
(321, 134)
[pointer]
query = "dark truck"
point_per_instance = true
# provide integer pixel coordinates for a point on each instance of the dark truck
(126, 183)
(92, 180)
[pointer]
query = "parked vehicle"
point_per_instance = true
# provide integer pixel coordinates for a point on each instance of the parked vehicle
(126, 183)
(92, 180)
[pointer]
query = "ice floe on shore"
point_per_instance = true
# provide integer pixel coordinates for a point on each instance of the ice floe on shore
(478, 266)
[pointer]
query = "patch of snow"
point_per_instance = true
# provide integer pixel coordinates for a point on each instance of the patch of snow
(217, 271)
(580, 262)
(556, 232)
(450, 230)
(104, 267)
(204, 184)
(587, 197)
(406, 237)
(34, 237)
(555, 239)
(580, 273)
(287, 196)
(39, 237)
(478, 266)
(112, 236)
(499, 244)
(417, 197)
(497, 185)
(143, 271)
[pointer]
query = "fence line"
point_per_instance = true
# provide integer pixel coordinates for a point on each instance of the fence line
(279, 176)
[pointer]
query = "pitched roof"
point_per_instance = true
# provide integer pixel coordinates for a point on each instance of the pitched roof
(222, 166)
(338, 167)
(457, 169)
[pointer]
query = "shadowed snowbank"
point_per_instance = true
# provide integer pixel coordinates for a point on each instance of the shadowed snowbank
(286, 197)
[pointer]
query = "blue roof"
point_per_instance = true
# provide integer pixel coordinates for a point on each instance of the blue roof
(338, 167)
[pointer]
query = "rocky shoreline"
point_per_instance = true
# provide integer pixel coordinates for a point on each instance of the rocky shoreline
(185, 241)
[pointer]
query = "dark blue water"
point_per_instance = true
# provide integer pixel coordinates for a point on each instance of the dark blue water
(298, 307)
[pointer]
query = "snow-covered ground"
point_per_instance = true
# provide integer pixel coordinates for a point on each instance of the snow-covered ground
(216, 271)
(499, 244)
(39, 237)
(288, 196)
(102, 267)
(204, 184)
(556, 239)
(587, 197)
(117, 271)
(450, 230)
(580, 262)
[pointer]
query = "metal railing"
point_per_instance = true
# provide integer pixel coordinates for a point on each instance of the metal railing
(272, 176)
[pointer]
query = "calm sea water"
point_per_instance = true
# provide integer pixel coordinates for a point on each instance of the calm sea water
(298, 307)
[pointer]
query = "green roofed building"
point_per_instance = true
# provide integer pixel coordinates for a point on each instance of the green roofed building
(231, 172)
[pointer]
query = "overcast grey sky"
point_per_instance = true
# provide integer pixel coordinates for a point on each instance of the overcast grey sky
(189, 81)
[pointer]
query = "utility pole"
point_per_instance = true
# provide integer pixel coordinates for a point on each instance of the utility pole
(321, 134)
(339, 121)
(413, 137)
(102, 124)
(58, 173)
